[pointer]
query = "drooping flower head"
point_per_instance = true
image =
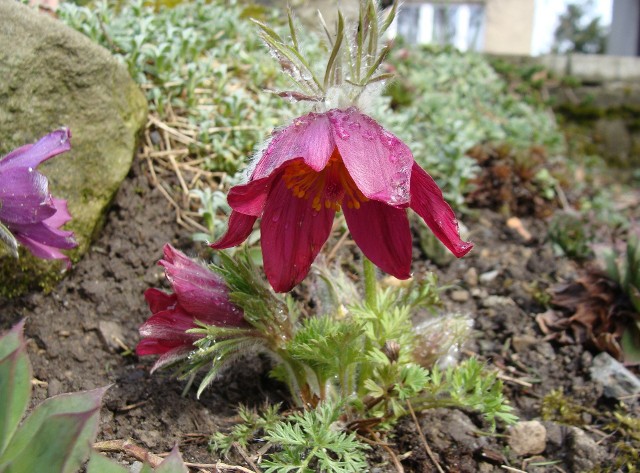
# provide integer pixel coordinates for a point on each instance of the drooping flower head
(325, 162)
(198, 295)
(27, 209)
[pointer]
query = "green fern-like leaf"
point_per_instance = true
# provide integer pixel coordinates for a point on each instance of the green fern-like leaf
(312, 441)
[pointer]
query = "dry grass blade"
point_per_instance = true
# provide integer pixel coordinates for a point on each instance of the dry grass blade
(424, 439)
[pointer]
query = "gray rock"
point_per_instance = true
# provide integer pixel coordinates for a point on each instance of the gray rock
(53, 76)
(583, 452)
(110, 333)
(617, 380)
(528, 438)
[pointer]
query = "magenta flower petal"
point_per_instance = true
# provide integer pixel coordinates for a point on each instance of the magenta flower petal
(292, 236)
(319, 164)
(158, 300)
(308, 137)
(24, 196)
(182, 268)
(382, 232)
(249, 199)
(377, 161)
(153, 346)
(240, 227)
(428, 202)
(169, 325)
(30, 156)
(199, 295)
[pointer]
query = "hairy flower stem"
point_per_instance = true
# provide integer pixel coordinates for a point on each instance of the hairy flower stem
(370, 283)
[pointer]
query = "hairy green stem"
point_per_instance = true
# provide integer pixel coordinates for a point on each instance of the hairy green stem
(370, 283)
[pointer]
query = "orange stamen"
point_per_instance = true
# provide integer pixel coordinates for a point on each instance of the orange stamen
(331, 187)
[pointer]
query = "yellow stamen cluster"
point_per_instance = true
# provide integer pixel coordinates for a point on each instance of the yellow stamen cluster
(328, 187)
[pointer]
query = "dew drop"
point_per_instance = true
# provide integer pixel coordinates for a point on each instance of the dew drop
(367, 135)
(275, 218)
(342, 133)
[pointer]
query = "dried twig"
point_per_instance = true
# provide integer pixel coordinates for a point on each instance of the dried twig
(424, 439)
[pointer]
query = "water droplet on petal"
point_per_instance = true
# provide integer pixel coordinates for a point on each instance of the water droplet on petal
(367, 135)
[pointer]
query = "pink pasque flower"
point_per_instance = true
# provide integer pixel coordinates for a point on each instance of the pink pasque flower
(324, 162)
(27, 208)
(199, 294)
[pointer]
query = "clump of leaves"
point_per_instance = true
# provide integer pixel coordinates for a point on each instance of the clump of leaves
(312, 441)
(252, 425)
(351, 368)
(601, 308)
(559, 408)
(572, 236)
(513, 182)
(57, 435)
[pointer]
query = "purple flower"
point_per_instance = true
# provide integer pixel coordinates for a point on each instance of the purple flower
(325, 162)
(27, 208)
(199, 294)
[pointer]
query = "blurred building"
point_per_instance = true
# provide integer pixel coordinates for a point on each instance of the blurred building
(520, 27)
(624, 38)
(494, 26)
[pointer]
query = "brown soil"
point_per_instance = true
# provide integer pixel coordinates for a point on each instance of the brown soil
(80, 337)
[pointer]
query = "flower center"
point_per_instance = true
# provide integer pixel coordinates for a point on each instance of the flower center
(331, 187)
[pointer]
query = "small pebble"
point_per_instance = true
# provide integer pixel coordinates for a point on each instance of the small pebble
(489, 276)
(471, 277)
(528, 438)
(460, 295)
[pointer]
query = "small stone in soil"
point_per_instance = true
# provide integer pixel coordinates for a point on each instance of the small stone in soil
(489, 276)
(494, 301)
(460, 295)
(110, 332)
(617, 380)
(584, 452)
(528, 438)
(471, 277)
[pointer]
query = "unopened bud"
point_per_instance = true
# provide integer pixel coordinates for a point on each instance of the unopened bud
(392, 350)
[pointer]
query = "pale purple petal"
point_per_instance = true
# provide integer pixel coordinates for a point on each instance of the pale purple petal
(307, 137)
(24, 196)
(30, 156)
(292, 234)
(379, 163)
(382, 232)
(61, 216)
(428, 202)
(40, 250)
(45, 235)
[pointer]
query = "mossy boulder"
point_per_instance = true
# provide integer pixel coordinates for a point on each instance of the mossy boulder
(53, 76)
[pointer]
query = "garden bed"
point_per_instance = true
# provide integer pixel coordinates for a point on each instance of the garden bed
(80, 336)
